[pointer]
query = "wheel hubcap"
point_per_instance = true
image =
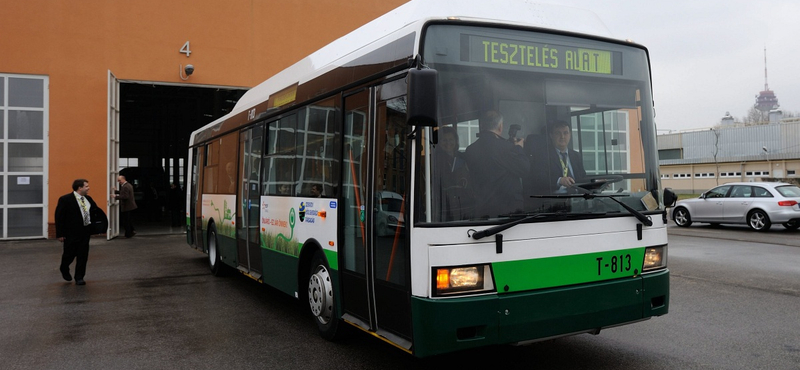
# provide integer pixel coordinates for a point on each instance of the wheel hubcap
(757, 220)
(320, 295)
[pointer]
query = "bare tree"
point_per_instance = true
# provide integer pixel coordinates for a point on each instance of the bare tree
(755, 117)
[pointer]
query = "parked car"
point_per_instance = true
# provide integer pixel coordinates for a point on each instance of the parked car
(756, 204)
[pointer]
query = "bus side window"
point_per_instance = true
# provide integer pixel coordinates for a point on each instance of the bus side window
(210, 168)
(279, 177)
(227, 168)
(316, 145)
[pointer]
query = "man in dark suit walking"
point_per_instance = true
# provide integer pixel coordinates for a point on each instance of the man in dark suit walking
(73, 228)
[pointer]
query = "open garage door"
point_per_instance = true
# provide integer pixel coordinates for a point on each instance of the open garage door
(155, 123)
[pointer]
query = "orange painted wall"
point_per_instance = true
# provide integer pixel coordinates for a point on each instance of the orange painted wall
(234, 43)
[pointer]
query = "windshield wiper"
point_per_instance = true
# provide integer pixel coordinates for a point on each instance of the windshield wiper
(496, 229)
(588, 195)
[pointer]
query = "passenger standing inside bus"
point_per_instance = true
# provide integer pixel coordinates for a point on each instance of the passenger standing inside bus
(564, 165)
(496, 169)
(230, 170)
(73, 228)
(127, 203)
(316, 191)
(451, 175)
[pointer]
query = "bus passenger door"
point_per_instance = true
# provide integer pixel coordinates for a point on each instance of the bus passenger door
(195, 200)
(249, 195)
(374, 254)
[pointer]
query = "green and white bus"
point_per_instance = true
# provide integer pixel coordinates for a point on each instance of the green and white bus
(326, 181)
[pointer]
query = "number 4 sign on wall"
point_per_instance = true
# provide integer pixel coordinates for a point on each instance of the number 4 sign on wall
(185, 49)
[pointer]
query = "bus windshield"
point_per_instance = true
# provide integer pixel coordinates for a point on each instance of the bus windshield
(536, 123)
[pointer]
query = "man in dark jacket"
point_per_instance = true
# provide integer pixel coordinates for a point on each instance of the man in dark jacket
(73, 228)
(127, 203)
(496, 169)
(564, 166)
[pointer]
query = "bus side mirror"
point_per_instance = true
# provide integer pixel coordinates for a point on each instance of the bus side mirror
(422, 98)
(669, 198)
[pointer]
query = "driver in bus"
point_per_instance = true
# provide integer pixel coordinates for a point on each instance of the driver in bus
(564, 165)
(497, 167)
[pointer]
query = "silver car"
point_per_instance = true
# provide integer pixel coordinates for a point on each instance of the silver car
(757, 204)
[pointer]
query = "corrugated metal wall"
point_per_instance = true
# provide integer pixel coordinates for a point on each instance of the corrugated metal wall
(781, 141)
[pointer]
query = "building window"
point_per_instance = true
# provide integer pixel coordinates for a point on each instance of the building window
(730, 174)
(23, 147)
(681, 175)
(595, 131)
(791, 173)
(664, 175)
(704, 175)
(670, 154)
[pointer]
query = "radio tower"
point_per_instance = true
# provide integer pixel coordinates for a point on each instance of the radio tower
(766, 100)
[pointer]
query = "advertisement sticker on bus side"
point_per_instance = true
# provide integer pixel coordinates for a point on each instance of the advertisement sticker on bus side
(222, 209)
(286, 223)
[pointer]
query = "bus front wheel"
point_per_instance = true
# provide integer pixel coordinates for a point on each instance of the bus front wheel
(320, 297)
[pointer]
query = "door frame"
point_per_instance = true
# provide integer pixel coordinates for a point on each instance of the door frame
(369, 290)
(247, 247)
(112, 204)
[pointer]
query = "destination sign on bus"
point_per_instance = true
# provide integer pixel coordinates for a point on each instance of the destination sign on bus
(523, 54)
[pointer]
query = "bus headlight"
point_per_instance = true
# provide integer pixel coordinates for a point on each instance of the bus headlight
(462, 279)
(655, 258)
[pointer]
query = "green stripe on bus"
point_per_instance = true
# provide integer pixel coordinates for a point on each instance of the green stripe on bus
(333, 259)
(517, 276)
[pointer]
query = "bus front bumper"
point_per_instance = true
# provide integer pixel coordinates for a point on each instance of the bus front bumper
(445, 325)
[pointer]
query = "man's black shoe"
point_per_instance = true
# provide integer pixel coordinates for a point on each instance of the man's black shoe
(65, 274)
(80, 282)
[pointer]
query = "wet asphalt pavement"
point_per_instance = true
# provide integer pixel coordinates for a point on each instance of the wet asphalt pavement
(151, 303)
(148, 302)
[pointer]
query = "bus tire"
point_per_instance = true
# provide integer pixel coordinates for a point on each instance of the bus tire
(214, 260)
(320, 298)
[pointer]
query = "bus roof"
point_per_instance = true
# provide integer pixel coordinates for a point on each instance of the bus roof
(407, 18)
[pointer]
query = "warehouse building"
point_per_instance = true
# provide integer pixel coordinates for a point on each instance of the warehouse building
(89, 88)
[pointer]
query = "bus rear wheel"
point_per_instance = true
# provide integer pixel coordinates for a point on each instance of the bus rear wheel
(214, 260)
(321, 298)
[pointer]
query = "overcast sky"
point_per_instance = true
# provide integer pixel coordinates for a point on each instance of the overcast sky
(707, 56)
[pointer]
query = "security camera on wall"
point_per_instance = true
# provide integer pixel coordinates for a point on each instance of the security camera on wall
(189, 69)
